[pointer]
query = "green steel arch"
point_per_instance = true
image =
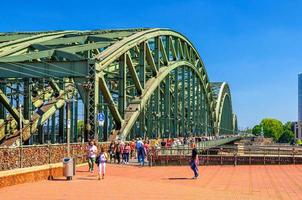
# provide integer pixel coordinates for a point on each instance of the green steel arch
(147, 82)
(226, 121)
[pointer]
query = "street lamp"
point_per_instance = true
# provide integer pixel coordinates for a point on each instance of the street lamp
(68, 100)
(21, 134)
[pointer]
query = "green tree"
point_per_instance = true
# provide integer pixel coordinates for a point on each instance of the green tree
(287, 126)
(272, 128)
(286, 137)
(257, 130)
(80, 126)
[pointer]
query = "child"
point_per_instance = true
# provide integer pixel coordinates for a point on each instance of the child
(102, 163)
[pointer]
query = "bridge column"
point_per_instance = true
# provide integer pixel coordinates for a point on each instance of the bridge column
(61, 116)
(2, 108)
(27, 99)
(193, 105)
(76, 111)
(122, 85)
(198, 109)
(71, 129)
(92, 102)
(53, 129)
(142, 79)
(167, 108)
(175, 119)
(157, 112)
(182, 93)
(189, 121)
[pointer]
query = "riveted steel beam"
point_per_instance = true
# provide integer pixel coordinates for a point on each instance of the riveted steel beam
(133, 74)
(109, 100)
(44, 69)
(6, 103)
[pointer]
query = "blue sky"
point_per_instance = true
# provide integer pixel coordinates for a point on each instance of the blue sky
(253, 45)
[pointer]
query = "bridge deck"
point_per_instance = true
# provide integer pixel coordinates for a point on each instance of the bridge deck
(216, 182)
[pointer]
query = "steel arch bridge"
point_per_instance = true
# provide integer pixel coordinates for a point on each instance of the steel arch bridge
(147, 82)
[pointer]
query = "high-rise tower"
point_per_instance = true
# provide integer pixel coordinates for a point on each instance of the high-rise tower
(299, 134)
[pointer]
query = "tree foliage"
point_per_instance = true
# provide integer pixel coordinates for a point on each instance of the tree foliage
(257, 130)
(286, 137)
(274, 128)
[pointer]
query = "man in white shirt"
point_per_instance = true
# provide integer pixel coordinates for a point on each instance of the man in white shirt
(91, 151)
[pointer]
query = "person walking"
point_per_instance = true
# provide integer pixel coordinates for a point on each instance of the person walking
(117, 151)
(126, 153)
(91, 151)
(132, 147)
(122, 146)
(140, 150)
(102, 163)
(111, 151)
(194, 162)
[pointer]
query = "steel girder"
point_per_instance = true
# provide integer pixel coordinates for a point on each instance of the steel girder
(136, 77)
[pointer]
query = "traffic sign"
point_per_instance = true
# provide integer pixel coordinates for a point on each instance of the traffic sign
(101, 117)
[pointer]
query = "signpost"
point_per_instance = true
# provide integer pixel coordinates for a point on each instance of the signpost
(101, 119)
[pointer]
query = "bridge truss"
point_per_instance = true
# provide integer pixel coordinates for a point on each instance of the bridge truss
(147, 82)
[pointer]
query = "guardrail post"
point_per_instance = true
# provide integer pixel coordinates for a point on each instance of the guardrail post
(250, 158)
(48, 147)
(207, 156)
(294, 160)
(20, 156)
(220, 156)
(264, 157)
(279, 155)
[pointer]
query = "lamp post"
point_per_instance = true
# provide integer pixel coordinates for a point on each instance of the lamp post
(21, 134)
(68, 127)
(68, 100)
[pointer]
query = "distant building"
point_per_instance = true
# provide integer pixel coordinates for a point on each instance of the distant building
(294, 128)
(298, 132)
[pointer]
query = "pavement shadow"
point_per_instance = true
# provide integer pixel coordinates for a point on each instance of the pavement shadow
(87, 178)
(82, 171)
(178, 178)
(58, 179)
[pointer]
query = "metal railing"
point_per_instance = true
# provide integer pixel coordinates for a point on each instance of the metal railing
(36, 155)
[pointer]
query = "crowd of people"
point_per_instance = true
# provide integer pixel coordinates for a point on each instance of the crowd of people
(119, 152)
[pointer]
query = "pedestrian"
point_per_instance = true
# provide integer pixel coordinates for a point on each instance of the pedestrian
(117, 152)
(111, 151)
(146, 147)
(141, 153)
(91, 151)
(102, 163)
(132, 149)
(122, 146)
(126, 153)
(139, 146)
(194, 162)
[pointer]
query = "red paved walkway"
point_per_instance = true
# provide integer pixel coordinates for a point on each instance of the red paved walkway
(128, 182)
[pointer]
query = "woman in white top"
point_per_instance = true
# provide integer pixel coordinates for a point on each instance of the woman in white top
(102, 163)
(91, 151)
